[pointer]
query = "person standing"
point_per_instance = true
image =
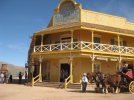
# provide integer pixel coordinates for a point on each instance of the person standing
(62, 75)
(2, 77)
(26, 76)
(123, 68)
(5, 77)
(10, 79)
(84, 82)
(20, 77)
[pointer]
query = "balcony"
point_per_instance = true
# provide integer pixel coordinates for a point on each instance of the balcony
(82, 45)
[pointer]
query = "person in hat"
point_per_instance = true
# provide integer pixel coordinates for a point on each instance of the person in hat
(124, 67)
(84, 82)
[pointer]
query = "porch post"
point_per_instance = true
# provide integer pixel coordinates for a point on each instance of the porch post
(40, 69)
(93, 59)
(72, 39)
(120, 59)
(92, 65)
(71, 70)
(32, 71)
(41, 42)
(92, 39)
(119, 43)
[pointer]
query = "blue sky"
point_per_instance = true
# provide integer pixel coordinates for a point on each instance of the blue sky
(19, 19)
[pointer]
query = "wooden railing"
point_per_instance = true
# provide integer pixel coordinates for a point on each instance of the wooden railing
(82, 45)
(67, 81)
(35, 80)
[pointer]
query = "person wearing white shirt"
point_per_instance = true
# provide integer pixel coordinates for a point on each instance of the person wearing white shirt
(84, 82)
(2, 77)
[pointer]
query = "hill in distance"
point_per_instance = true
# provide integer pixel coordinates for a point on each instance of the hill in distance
(13, 69)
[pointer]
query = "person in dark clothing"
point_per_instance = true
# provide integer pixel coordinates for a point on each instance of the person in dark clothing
(10, 79)
(26, 76)
(20, 77)
(5, 77)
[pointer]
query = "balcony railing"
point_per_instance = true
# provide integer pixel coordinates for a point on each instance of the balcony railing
(82, 45)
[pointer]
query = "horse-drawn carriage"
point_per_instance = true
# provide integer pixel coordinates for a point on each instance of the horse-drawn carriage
(127, 79)
(122, 80)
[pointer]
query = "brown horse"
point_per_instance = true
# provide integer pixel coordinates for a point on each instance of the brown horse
(90, 76)
(106, 81)
(114, 81)
(100, 81)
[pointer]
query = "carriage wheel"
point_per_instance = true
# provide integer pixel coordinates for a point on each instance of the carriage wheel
(131, 87)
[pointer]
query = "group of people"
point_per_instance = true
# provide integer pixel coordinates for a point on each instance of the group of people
(5, 78)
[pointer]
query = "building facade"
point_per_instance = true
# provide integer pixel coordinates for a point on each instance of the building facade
(78, 41)
(4, 68)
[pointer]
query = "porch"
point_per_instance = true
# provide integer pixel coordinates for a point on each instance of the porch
(89, 46)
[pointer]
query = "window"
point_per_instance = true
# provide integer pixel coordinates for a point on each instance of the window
(114, 42)
(65, 38)
(97, 67)
(38, 40)
(97, 41)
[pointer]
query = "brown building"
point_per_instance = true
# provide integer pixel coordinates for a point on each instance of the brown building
(4, 68)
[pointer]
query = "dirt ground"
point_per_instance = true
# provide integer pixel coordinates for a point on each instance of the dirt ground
(21, 92)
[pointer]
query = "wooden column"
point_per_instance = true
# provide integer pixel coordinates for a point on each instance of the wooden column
(120, 59)
(92, 39)
(93, 59)
(41, 42)
(119, 43)
(32, 70)
(40, 69)
(72, 38)
(71, 69)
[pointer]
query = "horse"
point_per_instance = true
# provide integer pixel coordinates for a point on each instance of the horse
(90, 77)
(106, 81)
(113, 81)
(100, 81)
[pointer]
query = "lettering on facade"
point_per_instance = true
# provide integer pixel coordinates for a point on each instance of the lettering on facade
(67, 14)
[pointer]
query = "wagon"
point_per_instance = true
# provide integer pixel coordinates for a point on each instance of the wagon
(128, 79)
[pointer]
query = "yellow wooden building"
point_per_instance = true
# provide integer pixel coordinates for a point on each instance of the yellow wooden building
(77, 41)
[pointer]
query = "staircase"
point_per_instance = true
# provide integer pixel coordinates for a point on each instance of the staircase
(50, 84)
(78, 86)
(61, 85)
(74, 86)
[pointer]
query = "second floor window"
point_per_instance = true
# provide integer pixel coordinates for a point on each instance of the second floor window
(97, 40)
(38, 40)
(65, 38)
(115, 42)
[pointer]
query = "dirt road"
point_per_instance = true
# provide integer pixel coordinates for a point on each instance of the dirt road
(21, 92)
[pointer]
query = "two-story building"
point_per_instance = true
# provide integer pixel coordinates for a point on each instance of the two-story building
(77, 41)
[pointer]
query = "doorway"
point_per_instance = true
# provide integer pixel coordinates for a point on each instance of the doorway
(64, 71)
